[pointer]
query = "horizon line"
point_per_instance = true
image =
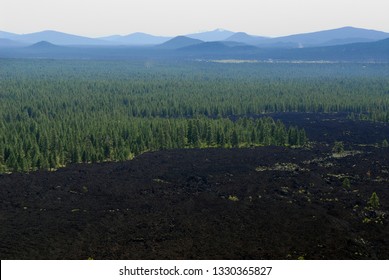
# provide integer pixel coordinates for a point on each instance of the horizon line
(189, 33)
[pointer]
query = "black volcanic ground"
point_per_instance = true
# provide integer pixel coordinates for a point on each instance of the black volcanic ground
(260, 203)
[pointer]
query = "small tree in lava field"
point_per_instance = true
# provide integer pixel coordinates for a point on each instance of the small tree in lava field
(338, 147)
(374, 201)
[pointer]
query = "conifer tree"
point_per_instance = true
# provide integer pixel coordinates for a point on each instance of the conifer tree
(374, 201)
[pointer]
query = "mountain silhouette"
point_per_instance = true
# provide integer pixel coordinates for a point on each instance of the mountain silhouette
(211, 36)
(243, 37)
(7, 35)
(43, 45)
(339, 36)
(58, 38)
(9, 43)
(136, 39)
(325, 37)
(179, 42)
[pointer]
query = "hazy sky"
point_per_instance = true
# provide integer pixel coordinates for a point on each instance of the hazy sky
(173, 17)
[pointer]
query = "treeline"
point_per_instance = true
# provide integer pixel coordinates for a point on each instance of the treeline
(27, 145)
(174, 97)
(191, 89)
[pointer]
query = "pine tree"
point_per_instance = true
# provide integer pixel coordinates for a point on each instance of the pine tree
(346, 183)
(374, 201)
(209, 135)
(234, 139)
(338, 147)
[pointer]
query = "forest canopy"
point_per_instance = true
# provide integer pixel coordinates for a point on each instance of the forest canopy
(58, 112)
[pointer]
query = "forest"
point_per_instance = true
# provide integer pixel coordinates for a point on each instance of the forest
(53, 112)
(193, 159)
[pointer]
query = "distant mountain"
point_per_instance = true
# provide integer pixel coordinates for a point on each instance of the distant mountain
(10, 43)
(210, 36)
(346, 41)
(243, 37)
(220, 49)
(207, 47)
(7, 35)
(332, 45)
(179, 42)
(377, 51)
(45, 49)
(136, 39)
(233, 44)
(344, 35)
(43, 45)
(328, 37)
(178, 48)
(371, 51)
(57, 38)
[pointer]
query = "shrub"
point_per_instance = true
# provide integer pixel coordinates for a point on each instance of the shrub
(338, 147)
(346, 183)
(233, 198)
(374, 201)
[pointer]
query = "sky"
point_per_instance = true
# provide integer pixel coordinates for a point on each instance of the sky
(95, 18)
